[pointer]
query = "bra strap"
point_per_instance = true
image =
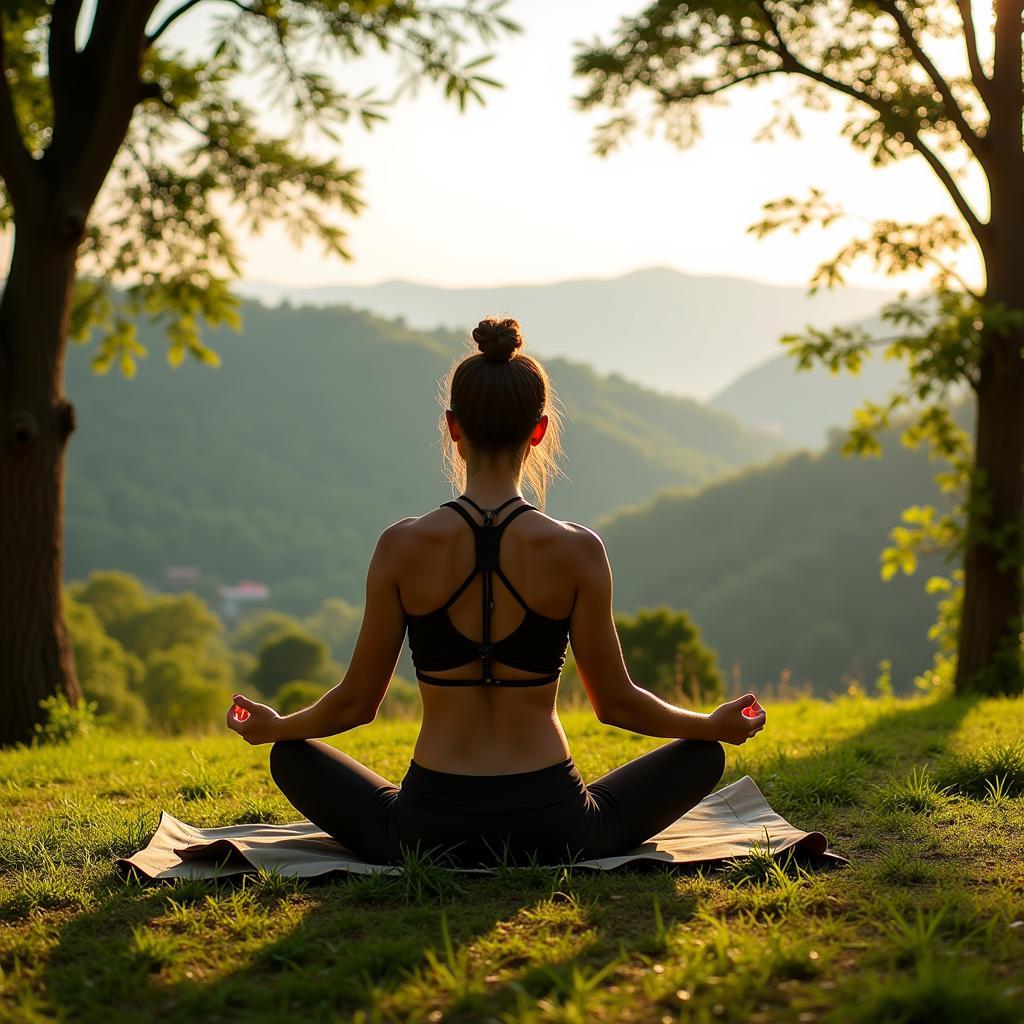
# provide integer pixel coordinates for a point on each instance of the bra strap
(458, 593)
(488, 514)
(441, 681)
(512, 590)
(512, 515)
(485, 648)
(461, 509)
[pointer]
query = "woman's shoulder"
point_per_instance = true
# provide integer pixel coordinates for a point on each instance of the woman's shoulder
(435, 523)
(570, 542)
(413, 531)
(405, 531)
(581, 536)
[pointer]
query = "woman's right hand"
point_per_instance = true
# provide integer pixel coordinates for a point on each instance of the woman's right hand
(256, 723)
(730, 725)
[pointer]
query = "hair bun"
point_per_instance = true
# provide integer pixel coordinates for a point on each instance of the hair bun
(498, 339)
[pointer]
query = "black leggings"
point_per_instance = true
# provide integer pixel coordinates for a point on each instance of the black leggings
(550, 814)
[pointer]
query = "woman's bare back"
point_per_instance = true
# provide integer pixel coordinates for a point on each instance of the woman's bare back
(488, 730)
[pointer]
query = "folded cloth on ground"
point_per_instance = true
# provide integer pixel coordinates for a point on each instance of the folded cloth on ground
(727, 823)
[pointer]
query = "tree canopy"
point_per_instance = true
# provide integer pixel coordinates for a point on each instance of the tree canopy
(154, 148)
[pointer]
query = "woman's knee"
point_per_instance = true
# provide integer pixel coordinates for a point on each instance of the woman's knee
(284, 756)
(710, 756)
(716, 759)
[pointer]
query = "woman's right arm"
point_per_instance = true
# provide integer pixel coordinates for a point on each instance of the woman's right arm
(616, 699)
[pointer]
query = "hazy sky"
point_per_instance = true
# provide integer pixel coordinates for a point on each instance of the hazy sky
(511, 193)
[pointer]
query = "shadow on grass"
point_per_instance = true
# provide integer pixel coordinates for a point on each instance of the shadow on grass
(348, 943)
(462, 945)
(807, 788)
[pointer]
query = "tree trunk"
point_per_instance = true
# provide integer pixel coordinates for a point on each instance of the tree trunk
(989, 658)
(989, 647)
(35, 652)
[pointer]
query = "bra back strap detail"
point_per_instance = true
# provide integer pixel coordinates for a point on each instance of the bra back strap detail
(488, 514)
(514, 683)
(488, 541)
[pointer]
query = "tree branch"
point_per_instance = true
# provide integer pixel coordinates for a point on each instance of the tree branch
(62, 58)
(949, 101)
(677, 95)
(955, 275)
(175, 15)
(16, 164)
(113, 54)
(978, 77)
(884, 110)
(942, 172)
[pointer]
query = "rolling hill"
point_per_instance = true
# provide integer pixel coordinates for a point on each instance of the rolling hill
(319, 430)
(802, 406)
(779, 565)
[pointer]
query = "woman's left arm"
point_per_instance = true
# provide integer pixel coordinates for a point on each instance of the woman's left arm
(355, 700)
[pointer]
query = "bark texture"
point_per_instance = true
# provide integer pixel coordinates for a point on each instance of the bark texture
(988, 656)
(36, 419)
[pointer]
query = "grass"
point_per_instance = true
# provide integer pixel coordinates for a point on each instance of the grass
(924, 796)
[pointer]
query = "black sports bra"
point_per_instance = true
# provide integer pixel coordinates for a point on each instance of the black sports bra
(537, 644)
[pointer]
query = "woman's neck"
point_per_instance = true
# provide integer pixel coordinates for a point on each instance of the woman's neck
(489, 486)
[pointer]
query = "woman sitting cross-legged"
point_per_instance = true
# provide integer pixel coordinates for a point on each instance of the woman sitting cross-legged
(490, 590)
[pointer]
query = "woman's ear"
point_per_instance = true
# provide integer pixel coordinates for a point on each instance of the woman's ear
(539, 431)
(453, 426)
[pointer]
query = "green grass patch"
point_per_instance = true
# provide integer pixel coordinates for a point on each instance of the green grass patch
(994, 770)
(914, 792)
(926, 797)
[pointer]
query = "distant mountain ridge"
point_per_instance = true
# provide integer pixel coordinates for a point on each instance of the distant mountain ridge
(672, 332)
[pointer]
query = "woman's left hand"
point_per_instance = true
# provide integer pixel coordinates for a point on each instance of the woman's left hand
(260, 725)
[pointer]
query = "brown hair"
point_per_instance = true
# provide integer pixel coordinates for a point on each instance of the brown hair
(498, 394)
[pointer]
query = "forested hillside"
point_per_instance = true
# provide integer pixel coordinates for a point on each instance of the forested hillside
(779, 565)
(320, 429)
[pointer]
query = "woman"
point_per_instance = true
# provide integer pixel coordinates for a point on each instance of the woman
(490, 591)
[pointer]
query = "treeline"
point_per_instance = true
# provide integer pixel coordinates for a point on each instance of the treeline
(166, 662)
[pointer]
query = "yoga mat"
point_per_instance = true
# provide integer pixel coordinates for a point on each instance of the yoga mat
(725, 824)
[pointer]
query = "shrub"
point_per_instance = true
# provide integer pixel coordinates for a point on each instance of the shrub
(289, 655)
(64, 722)
(167, 621)
(663, 650)
(108, 673)
(186, 691)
